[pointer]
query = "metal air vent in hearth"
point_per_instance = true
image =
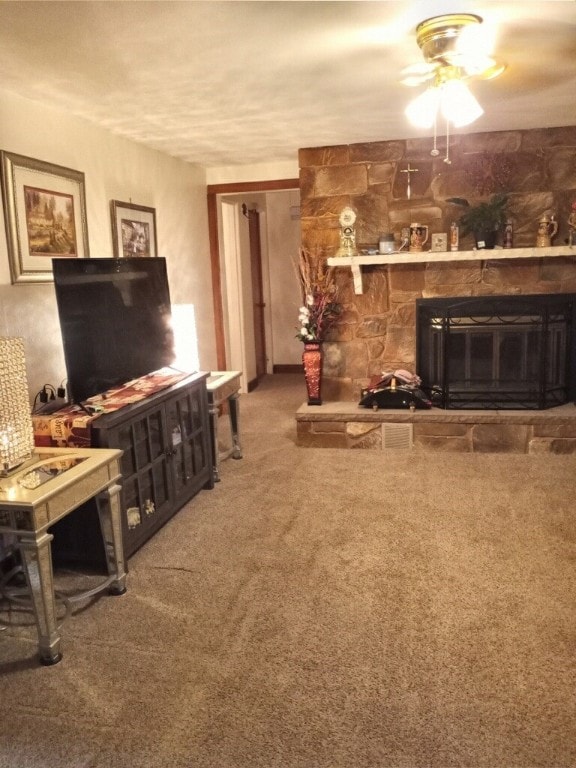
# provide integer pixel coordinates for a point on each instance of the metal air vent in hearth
(397, 436)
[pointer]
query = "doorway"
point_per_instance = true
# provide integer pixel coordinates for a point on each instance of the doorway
(235, 340)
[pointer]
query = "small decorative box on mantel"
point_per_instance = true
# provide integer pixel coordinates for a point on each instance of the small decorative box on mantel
(439, 242)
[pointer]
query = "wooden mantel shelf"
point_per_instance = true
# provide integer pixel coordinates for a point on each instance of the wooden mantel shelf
(357, 262)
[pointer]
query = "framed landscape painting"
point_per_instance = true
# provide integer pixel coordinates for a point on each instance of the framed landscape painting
(45, 214)
(133, 230)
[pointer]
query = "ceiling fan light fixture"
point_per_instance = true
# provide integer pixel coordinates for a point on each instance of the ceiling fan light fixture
(449, 96)
(456, 48)
(422, 110)
(438, 37)
(458, 104)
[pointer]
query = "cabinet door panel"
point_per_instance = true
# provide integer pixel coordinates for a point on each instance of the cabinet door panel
(148, 500)
(132, 509)
(146, 484)
(200, 456)
(141, 451)
(160, 483)
(190, 466)
(148, 438)
(166, 457)
(183, 466)
(156, 435)
(195, 411)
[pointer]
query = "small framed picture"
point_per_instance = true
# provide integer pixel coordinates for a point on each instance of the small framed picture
(439, 242)
(45, 214)
(133, 230)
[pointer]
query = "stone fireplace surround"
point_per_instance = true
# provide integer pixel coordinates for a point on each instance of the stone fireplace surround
(376, 331)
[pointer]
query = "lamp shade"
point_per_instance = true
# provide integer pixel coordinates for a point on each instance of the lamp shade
(16, 432)
(451, 97)
(185, 338)
(423, 109)
(457, 103)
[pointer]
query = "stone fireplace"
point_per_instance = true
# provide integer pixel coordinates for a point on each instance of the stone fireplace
(376, 331)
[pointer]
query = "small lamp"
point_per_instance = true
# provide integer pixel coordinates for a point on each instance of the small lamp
(185, 338)
(16, 431)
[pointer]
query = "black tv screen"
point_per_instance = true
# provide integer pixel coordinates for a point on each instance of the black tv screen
(115, 320)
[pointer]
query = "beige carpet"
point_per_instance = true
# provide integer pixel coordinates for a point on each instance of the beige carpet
(323, 609)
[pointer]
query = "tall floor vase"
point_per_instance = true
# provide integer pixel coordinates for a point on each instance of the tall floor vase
(312, 362)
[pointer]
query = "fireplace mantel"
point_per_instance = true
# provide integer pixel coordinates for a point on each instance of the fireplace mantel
(357, 262)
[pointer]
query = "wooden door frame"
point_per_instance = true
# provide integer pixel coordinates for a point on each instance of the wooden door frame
(258, 303)
(212, 192)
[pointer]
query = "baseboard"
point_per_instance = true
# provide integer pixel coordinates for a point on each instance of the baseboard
(287, 369)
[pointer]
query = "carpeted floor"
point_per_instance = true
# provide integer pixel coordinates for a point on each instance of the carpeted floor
(323, 609)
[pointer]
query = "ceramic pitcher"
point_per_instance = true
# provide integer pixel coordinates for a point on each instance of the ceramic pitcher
(418, 236)
(547, 228)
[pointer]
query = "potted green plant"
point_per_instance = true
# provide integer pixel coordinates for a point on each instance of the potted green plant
(484, 220)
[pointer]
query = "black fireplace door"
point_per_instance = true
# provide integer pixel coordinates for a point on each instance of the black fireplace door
(497, 352)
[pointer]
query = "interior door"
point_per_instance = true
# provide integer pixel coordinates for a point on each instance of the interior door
(257, 292)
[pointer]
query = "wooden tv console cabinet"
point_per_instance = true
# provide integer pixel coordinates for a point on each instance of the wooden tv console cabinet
(166, 460)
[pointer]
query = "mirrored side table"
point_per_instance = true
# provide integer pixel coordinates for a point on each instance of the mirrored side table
(224, 387)
(51, 485)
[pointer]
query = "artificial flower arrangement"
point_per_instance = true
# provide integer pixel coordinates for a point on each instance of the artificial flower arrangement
(319, 290)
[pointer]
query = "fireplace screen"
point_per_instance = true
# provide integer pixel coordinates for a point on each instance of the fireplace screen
(496, 352)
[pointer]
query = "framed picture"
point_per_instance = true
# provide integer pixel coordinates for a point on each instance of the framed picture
(439, 241)
(45, 214)
(133, 230)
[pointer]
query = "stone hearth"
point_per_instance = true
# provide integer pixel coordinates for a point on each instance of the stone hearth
(346, 425)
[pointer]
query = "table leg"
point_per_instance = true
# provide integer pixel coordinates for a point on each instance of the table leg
(214, 435)
(110, 514)
(37, 560)
(234, 409)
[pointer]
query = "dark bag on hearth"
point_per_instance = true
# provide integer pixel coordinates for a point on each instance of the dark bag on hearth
(394, 389)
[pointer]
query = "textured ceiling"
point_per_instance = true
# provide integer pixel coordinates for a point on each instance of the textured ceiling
(225, 83)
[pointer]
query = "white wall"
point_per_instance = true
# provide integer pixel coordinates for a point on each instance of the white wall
(258, 172)
(115, 169)
(284, 239)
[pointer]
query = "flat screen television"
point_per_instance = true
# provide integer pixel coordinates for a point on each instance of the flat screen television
(115, 319)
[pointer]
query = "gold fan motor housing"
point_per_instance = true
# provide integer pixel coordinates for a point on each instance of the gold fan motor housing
(437, 36)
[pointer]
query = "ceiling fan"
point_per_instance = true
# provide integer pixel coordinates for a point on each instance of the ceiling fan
(456, 49)
(455, 40)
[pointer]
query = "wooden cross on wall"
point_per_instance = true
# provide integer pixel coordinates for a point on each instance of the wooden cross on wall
(408, 171)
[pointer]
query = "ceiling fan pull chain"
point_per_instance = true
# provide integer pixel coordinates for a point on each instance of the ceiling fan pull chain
(435, 151)
(447, 158)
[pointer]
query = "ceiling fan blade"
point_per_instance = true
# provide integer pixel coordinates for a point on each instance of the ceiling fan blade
(493, 70)
(416, 74)
(484, 67)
